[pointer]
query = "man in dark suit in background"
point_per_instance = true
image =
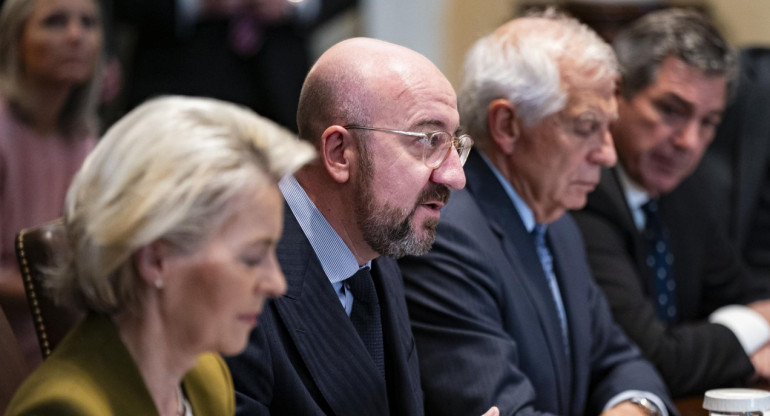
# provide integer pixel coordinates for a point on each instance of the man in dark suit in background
(250, 52)
(672, 279)
(503, 308)
(735, 172)
(383, 119)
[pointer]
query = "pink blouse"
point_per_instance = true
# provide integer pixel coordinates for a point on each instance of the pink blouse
(35, 173)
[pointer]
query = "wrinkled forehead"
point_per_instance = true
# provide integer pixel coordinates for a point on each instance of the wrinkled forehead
(597, 96)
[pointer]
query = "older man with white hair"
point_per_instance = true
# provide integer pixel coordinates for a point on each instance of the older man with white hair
(506, 292)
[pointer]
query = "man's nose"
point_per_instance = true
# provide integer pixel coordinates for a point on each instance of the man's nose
(604, 155)
(450, 172)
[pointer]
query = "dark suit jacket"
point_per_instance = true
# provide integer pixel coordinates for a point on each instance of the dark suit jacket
(91, 373)
(201, 62)
(734, 174)
(486, 325)
(692, 355)
(305, 357)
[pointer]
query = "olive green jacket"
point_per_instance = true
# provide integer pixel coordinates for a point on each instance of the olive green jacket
(91, 373)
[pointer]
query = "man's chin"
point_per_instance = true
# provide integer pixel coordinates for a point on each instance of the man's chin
(663, 185)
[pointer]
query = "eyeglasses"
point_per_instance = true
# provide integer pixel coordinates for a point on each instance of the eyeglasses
(435, 145)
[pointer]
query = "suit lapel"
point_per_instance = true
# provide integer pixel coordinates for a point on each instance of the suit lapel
(609, 200)
(323, 334)
(97, 348)
(566, 264)
(519, 248)
(403, 380)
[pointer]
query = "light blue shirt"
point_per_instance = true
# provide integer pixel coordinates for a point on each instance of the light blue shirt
(337, 261)
(528, 217)
(526, 214)
(636, 196)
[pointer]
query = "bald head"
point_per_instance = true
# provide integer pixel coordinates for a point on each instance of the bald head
(358, 79)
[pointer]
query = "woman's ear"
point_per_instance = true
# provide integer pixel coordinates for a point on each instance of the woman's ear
(337, 150)
(150, 262)
(503, 124)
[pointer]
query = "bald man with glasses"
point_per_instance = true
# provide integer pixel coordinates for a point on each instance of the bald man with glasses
(384, 121)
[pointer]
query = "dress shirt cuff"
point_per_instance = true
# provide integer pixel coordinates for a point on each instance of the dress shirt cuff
(751, 329)
(630, 394)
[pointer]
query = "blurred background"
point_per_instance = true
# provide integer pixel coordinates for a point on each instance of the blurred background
(442, 30)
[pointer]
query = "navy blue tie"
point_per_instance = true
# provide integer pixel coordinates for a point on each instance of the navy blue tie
(660, 262)
(546, 260)
(366, 315)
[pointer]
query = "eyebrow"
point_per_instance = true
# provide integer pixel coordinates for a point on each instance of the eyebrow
(261, 242)
(594, 115)
(669, 96)
(432, 123)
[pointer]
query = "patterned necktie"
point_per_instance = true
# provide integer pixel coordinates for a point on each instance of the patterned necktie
(660, 261)
(366, 315)
(546, 260)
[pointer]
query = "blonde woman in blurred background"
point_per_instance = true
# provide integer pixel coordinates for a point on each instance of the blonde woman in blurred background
(50, 53)
(173, 222)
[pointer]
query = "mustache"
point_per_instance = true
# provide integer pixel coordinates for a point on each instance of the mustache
(434, 192)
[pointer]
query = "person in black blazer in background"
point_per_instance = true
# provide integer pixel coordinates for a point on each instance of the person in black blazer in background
(251, 52)
(674, 282)
(503, 308)
(734, 175)
(383, 119)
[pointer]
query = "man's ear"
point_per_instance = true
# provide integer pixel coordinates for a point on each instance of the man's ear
(619, 89)
(337, 150)
(503, 124)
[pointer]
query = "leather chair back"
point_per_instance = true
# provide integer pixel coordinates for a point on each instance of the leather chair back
(35, 248)
(12, 366)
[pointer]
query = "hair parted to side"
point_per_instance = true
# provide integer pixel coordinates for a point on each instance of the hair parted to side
(167, 171)
(525, 62)
(79, 117)
(683, 34)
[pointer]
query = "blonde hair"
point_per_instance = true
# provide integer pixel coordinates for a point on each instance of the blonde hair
(78, 117)
(167, 170)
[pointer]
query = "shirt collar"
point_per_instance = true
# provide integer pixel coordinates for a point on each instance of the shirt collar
(526, 214)
(337, 261)
(635, 196)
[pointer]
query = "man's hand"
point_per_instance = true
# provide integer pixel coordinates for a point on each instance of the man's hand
(492, 412)
(761, 307)
(761, 361)
(624, 409)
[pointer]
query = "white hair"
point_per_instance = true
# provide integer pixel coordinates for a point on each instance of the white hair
(525, 62)
(168, 170)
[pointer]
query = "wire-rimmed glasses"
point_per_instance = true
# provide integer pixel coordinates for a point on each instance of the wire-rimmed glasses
(436, 145)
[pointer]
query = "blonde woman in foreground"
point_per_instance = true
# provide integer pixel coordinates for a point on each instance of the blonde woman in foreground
(173, 222)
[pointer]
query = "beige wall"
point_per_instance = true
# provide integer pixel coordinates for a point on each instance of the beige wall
(468, 21)
(743, 22)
